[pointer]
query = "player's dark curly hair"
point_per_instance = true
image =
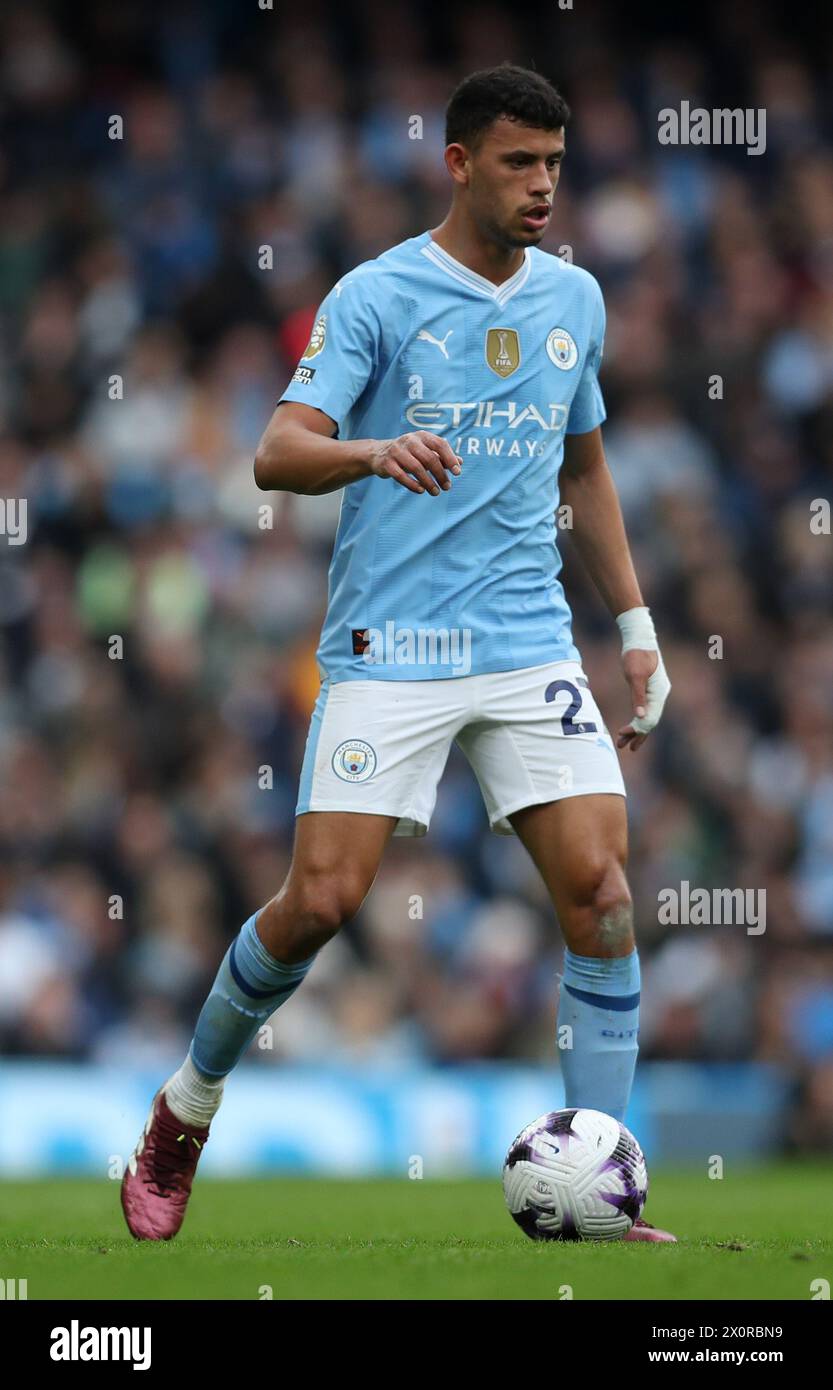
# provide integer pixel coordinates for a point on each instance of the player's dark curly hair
(518, 93)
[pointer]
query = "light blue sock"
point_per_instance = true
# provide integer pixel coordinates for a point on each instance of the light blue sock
(599, 1000)
(249, 987)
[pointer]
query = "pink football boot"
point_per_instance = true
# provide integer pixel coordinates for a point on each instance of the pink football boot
(158, 1177)
(643, 1230)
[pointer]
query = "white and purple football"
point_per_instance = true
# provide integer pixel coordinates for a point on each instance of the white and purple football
(575, 1175)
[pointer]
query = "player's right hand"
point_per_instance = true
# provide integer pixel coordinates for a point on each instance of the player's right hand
(419, 461)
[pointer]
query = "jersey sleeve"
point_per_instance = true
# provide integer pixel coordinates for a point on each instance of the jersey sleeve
(587, 409)
(342, 353)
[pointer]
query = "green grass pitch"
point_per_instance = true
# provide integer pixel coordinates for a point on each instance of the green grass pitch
(760, 1233)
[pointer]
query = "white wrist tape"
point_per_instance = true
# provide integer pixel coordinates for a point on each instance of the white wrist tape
(638, 633)
(637, 629)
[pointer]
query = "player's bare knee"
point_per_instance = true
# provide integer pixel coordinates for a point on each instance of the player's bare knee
(601, 913)
(612, 910)
(326, 902)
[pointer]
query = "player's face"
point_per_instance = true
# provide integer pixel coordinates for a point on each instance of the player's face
(512, 180)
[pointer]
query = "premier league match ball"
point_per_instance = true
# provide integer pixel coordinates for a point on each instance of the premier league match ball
(575, 1175)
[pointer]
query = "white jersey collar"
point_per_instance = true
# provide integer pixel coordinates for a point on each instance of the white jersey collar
(500, 293)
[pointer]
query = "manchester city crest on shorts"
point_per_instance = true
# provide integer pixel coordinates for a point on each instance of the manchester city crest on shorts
(318, 337)
(503, 350)
(561, 349)
(354, 761)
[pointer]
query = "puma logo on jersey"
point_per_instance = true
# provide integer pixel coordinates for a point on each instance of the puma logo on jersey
(424, 336)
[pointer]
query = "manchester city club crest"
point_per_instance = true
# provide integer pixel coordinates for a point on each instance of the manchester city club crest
(354, 761)
(561, 349)
(318, 338)
(503, 350)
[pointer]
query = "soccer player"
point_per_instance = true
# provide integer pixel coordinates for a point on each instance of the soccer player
(450, 387)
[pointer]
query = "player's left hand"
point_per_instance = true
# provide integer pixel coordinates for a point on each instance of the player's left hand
(649, 685)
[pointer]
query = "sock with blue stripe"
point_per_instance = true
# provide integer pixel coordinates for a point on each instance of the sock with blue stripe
(250, 985)
(599, 1001)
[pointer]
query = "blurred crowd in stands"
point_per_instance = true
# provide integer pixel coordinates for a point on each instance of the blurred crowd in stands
(143, 346)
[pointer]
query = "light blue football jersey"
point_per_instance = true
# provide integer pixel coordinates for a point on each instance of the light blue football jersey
(467, 582)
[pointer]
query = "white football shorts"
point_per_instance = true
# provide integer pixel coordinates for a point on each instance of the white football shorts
(531, 736)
